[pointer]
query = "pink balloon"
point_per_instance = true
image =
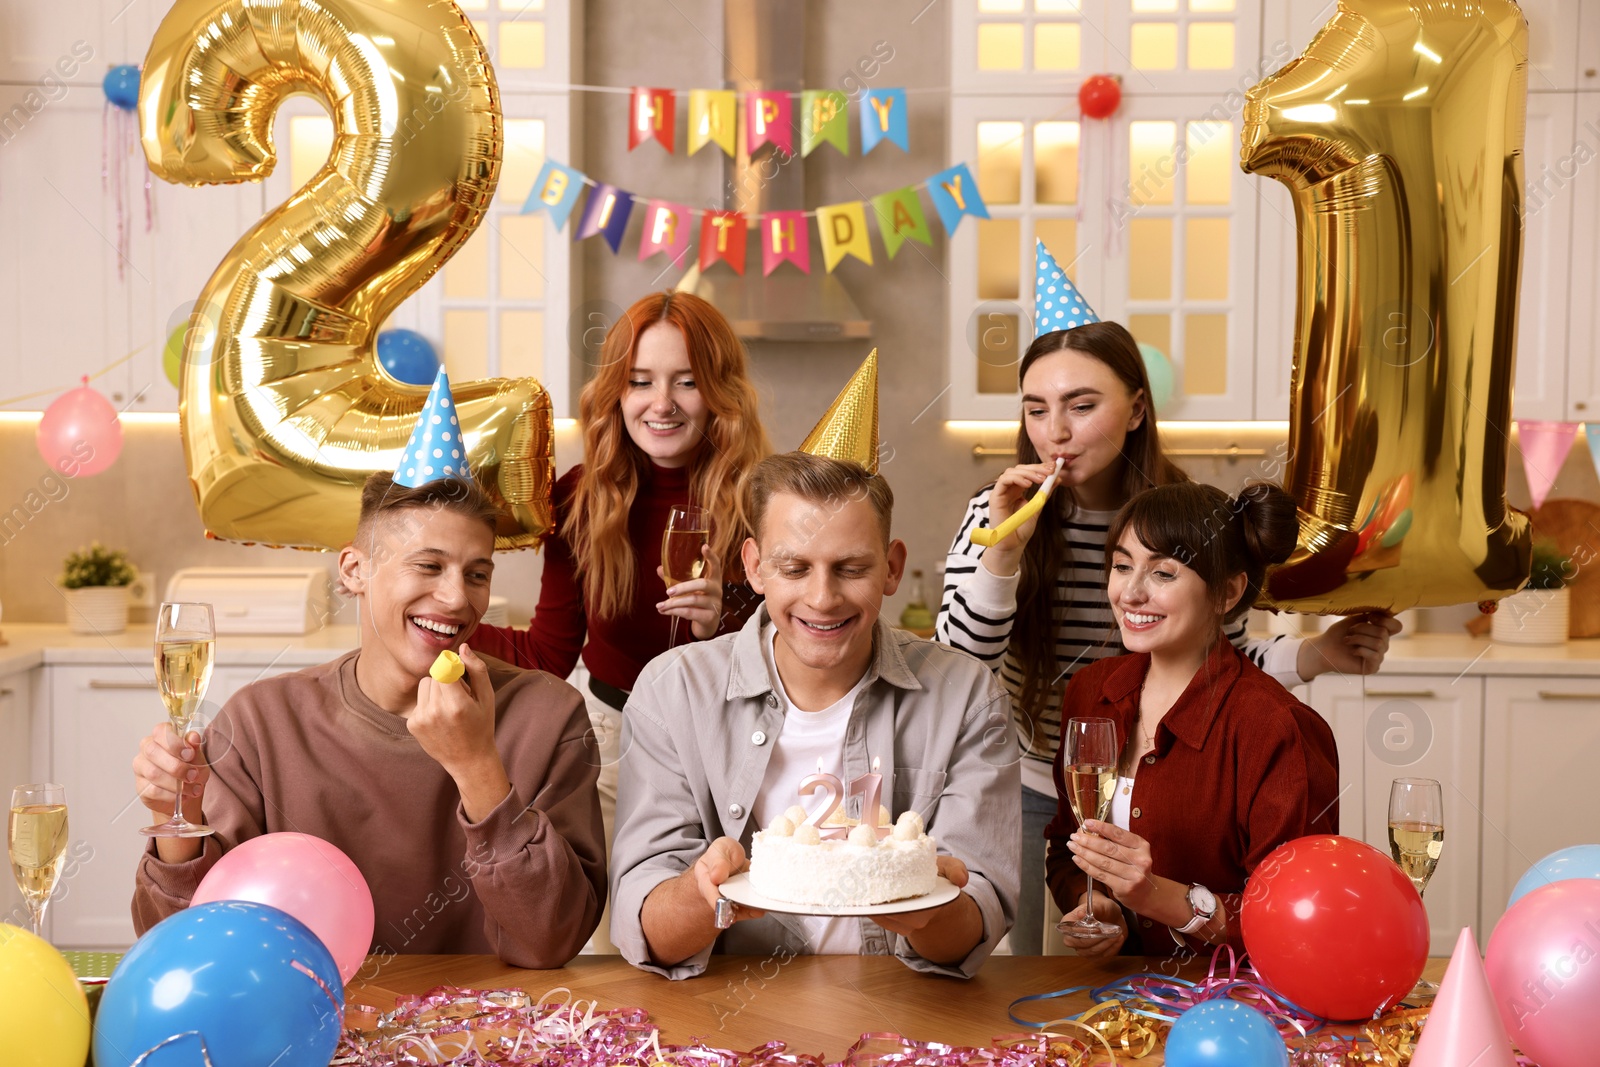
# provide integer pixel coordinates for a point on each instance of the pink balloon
(80, 434)
(306, 877)
(1544, 969)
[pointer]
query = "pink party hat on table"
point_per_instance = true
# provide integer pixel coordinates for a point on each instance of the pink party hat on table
(1464, 1028)
(435, 450)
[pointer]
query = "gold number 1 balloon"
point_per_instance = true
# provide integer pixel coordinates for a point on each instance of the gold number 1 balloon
(284, 408)
(1399, 134)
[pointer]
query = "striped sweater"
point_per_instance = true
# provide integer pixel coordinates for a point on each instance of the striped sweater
(978, 608)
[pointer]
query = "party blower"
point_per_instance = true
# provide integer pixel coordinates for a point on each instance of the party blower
(989, 537)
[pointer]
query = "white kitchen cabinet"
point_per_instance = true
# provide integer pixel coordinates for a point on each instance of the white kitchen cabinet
(1549, 167)
(1541, 745)
(1583, 354)
(98, 715)
(1414, 726)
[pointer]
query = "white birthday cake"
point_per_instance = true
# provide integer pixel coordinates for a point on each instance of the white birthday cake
(792, 861)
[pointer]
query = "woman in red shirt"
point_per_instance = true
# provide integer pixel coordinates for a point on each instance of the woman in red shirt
(1220, 764)
(669, 419)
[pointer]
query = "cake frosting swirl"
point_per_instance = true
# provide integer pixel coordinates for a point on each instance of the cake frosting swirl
(793, 862)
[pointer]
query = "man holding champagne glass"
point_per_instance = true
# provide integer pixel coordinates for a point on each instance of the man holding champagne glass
(469, 807)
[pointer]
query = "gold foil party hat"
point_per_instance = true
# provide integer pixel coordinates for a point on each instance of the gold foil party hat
(849, 430)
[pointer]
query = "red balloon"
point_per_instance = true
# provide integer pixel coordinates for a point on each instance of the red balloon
(79, 434)
(1333, 924)
(1099, 96)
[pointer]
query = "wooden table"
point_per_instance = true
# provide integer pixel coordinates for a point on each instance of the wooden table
(816, 1004)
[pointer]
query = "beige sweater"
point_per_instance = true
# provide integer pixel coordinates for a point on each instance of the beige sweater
(309, 752)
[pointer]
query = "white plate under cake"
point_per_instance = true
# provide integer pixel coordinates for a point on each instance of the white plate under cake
(795, 863)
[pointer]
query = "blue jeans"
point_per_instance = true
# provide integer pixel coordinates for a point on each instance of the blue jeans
(1027, 936)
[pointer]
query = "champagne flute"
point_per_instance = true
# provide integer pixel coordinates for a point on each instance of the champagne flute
(184, 643)
(1416, 837)
(37, 836)
(688, 530)
(1090, 766)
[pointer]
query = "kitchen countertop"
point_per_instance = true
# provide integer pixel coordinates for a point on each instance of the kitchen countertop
(33, 644)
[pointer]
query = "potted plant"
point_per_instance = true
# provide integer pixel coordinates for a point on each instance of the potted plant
(1538, 614)
(96, 580)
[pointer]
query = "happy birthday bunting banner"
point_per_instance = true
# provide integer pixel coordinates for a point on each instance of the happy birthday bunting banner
(651, 113)
(784, 237)
(955, 194)
(605, 212)
(722, 238)
(766, 118)
(900, 217)
(1545, 445)
(666, 229)
(825, 120)
(555, 190)
(843, 228)
(883, 118)
(712, 117)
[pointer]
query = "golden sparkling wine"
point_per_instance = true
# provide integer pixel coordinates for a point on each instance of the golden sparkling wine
(183, 670)
(38, 836)
(680, 555)
(1089, 789)
(1416, 847)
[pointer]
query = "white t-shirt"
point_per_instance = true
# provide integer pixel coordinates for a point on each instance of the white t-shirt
(806, 738)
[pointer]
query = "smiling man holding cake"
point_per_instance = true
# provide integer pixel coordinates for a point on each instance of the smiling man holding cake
(724, 733)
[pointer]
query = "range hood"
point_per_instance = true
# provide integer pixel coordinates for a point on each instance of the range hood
(764, 49)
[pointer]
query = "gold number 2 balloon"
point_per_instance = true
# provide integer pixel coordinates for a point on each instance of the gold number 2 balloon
(1399, 134)
(284, 408)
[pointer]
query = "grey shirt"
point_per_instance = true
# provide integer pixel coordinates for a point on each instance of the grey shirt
(699, 727)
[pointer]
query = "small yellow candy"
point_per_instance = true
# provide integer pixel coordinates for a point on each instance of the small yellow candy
(448, 668)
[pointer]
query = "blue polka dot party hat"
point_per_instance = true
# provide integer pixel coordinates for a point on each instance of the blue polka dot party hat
(1057, 304)
(435, 450)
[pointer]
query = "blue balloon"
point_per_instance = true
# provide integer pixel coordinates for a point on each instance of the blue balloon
(1225, 1033)
(1579, 861)
(408, 356)
(226, 974)
(1158, 368)
(121, 85)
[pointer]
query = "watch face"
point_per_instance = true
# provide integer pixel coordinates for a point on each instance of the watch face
(1202, 900)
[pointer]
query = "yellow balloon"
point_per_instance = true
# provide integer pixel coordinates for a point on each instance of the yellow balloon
(1399, 134)
(284, 407)
(44, 1016)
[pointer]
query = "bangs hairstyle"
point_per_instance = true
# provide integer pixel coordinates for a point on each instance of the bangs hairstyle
(1213, 534)
(596, 526)
(381, 496)
(1046, 555)
(829, 483)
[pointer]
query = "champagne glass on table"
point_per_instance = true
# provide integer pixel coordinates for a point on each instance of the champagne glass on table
(185, 639)
(1416, 837)
(1090, 767)
(688, 530)
(37, 836)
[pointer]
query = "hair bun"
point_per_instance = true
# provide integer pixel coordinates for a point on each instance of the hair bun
(1270, 520)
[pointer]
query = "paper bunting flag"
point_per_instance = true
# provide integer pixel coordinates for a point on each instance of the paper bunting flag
(1057, 304)
(1464, 1026)
(722, 236)
(766, 118)
(883, 118)
(900, 217)
(434, 451)
(843, 228)
(651, 113)
(712, 117)
(666, 229)
(955, 194)
(605, 212)
(555, 190)
(784, 236)
(824, 119)
(1544, 449)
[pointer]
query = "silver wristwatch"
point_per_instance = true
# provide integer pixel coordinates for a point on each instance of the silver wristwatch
(1204, 903)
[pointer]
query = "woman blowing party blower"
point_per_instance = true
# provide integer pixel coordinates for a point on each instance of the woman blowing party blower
(1219, 764)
